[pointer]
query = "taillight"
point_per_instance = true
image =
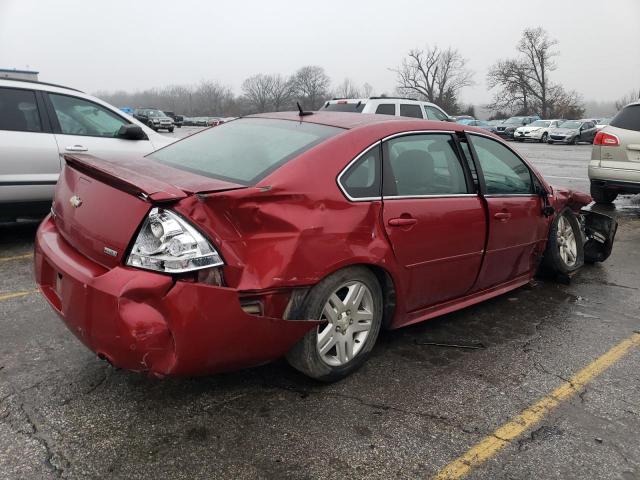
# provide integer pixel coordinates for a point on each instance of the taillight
(606, 139)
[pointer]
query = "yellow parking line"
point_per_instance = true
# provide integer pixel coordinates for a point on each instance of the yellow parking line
(16, 257)
(7, 296)
(500, 438)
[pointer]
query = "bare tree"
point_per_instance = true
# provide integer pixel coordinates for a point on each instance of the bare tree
(311, 86)
(257, 89)
(367, 90)
(536, 48)
(632, 96)
(434, 74)
(347, 89)
(515, 94)
(524, 84)
(281, 92)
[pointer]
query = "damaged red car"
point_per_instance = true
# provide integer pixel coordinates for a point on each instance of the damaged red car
(300, 236)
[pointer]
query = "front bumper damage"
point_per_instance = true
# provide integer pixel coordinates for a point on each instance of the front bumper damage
(146, 321)
(599, 231)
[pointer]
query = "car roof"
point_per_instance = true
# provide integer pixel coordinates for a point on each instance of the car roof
(350, 121)
(35, 85)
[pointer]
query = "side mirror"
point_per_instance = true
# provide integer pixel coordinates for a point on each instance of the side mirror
(132, 132)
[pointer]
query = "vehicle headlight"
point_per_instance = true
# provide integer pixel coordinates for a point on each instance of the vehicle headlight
(155, 120)
(168, 243)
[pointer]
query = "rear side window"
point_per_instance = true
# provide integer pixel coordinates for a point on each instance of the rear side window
(628, 118)
(244, 151)
(434, 114)
(362, 179)
(407, 110)
(345, 107)
(19, 111)
(420, 165)
(386, 109)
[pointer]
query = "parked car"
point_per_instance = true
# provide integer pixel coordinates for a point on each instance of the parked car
(177, 119)
(507, 128)
(39, 122)
(154, 119)
(212, 254)
(459, 118)
(603, 122)
(496, 122)
(214, 122)
(477, 123)
(573, 132)
(404, 107)
(615, 158)
(538, 130)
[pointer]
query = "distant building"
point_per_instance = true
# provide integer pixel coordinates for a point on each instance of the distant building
(19, 74)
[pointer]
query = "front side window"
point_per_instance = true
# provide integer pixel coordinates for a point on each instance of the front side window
(81, 117)
(19, 110)
(362, 179)
(434, 114)
(504, 173)
(409, 110)
(423, 165)
(386, 109)
(244, 151)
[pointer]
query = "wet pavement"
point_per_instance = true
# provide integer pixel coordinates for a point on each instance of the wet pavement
(412, 408)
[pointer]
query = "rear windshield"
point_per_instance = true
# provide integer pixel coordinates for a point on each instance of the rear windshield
(345, 107)
(244, 151)
(628, 118)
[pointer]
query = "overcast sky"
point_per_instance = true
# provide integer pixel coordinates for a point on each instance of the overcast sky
(124, 44)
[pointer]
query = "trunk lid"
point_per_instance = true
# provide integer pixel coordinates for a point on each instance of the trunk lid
(99, 204)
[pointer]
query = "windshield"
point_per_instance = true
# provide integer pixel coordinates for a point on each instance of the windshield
(571, 124)
(345, 107)
(604, 121)
(155, 113)
(244, 151)
(465, 121)
(515, 121)
(540, 123)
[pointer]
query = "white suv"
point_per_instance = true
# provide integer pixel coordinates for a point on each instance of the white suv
(404, 107)
(40, 122)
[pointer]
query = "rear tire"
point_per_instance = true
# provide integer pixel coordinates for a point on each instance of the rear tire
(602, 194)
(565, 247)
(349, 302)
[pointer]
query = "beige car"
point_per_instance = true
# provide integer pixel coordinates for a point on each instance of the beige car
(615, 159)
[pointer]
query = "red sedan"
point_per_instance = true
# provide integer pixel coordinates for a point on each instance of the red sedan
(296, 235)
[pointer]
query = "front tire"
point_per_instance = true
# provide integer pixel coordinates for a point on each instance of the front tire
(565, 247)
(602, 194)
(349, 304)
(544, 137)
(170, 130)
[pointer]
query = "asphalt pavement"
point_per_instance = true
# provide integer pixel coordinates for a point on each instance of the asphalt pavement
(413, 409)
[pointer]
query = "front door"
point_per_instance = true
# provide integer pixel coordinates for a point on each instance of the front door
(87, 127)
(517, 227)
(435, 224)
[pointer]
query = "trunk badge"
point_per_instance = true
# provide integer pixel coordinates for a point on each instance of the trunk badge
(110, 251)
(75, 201)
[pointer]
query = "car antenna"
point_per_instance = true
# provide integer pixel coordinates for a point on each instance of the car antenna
(301, 112)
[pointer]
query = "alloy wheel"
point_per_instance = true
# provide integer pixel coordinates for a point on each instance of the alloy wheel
(348, 314)
(566, 241)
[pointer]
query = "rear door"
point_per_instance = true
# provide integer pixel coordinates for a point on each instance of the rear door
(83, 126)
(517, 227)
(434, 221)
(588, 132)
(29, 162)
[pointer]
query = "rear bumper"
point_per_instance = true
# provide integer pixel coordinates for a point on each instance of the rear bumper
(615, 178)
(144, 321)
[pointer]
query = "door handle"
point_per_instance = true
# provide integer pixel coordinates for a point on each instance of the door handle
(402, 222)
(502, 216)
(76, 148)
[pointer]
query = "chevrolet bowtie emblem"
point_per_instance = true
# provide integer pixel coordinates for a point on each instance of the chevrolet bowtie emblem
(75, 201)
